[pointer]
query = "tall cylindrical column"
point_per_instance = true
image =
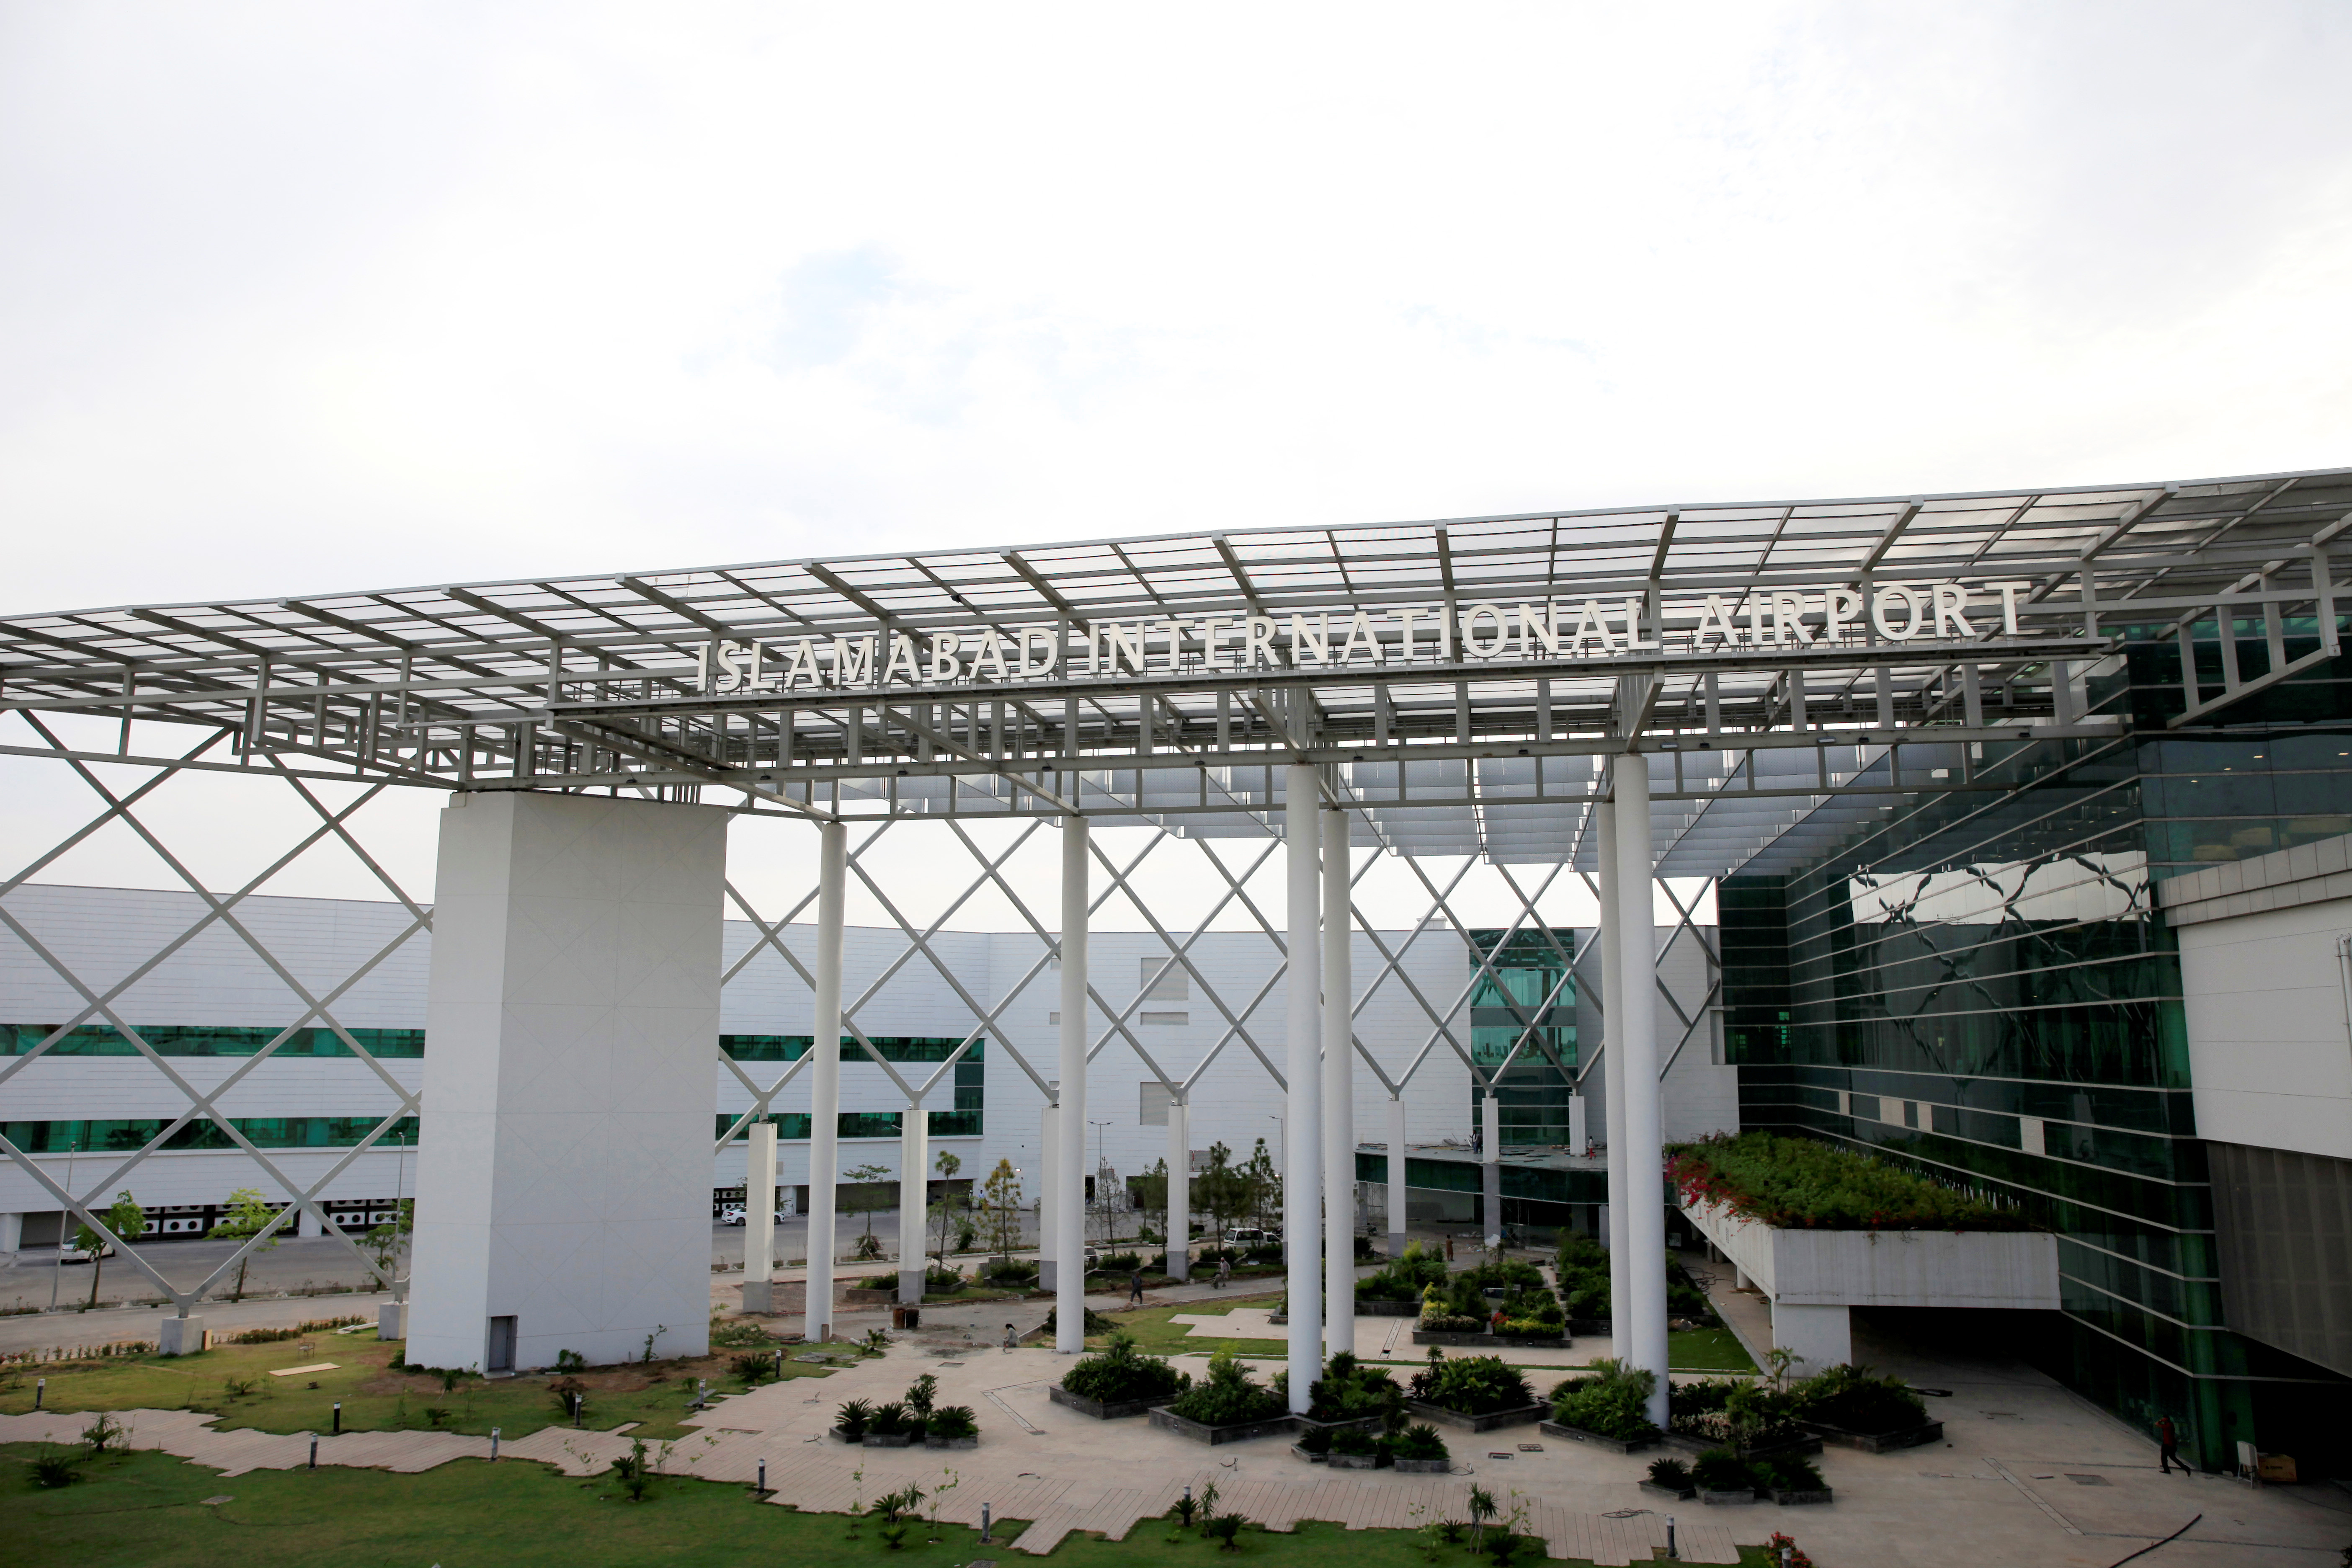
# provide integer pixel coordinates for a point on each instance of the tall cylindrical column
(914, 1201)
(1338, 1094)
(1049, 1190)
(824, 1073)
(760, 1217)
(1612, 1070)
(1070, 1190)
(1179, 1188)
(1637, 985)
(1396, 1176)
(1302, 1178)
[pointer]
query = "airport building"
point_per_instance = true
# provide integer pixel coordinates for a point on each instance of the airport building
(2025, 814)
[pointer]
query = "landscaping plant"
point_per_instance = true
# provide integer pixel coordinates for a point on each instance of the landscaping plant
(1671, 1473)
(1471, 1385)
(1228, 1396)
(1120, 1373)
(1849, 1398)
(1418, 1441)
(853, 1418)
(1721, 1470)
(1802, 1184)
(1612, 1401)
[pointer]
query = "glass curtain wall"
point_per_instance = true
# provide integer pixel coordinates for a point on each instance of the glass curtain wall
(1528, 991)
(1976, 983)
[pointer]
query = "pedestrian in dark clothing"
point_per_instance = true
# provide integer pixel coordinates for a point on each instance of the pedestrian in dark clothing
(2168, 1449)
(1135, 1289)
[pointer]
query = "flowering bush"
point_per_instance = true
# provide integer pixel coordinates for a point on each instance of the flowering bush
(1799, 1184)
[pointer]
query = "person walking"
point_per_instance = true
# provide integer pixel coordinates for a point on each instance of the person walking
(1135, 1289)
(2167, 1447)
(1224, 1271)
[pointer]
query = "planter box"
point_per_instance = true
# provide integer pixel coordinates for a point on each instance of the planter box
(931, 1442)
(1101, 1412)
(858, 1296)
(1579, 1435)
(1679, 1494)
(1683, 1443)
(1422, 1467)
(1878, 1442)
(1355, 1461)
(1520, 1343)
(1387, 1308)
(889, 1439)
(1747, 1497)
(844, 1436)
(1486, 1423)
(1795, 1498)
(1167, 1420)
(1311, 1459)
(1370, 1424)
(1449, 1337)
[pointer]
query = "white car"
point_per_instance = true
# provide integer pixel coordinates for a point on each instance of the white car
(71, 1253)
(731, 1214)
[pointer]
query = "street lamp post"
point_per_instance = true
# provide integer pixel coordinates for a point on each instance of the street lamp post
(1102, 1199)
(58, 1270)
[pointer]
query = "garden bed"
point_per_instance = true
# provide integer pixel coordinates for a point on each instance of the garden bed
(1488, 1421)
(1422, 1466)
(1878, 1442)
(1449, 1337)
(1683, 1442)
(1354, 1461)
(1787, 1499)
(1744, 1497)
(1579, 1435)
(1167, 1420)
(971, 1442)
(1534, 1343)
(889, 1439)
(858, 1296)
(1387, 1308)
(1678, 1494)
(1101, 1412)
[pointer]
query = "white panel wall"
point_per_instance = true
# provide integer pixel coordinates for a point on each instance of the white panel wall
(2269, 1051)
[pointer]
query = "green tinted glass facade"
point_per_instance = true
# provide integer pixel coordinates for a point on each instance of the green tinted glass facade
(263, 1132)
(1977, 983)
(1528, 992)
(205, 1040)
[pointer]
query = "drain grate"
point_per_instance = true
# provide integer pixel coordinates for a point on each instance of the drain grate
(2088, 1480)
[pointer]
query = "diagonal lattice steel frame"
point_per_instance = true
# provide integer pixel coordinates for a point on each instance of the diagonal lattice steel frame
(217, 911)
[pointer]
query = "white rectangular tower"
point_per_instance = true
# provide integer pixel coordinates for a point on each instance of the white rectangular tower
(563, 1174)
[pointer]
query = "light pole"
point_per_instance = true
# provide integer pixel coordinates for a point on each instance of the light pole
(1102, 1199)
(58, 1271)
(1281, 1141)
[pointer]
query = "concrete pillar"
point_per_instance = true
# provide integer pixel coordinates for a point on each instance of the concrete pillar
(306, 1222)
(1612, 1075)
(1490, 1163)
(390, 1321)
(1821, 1337)
(185, 1336)
(1579, 1133)
(1338, 1093)
(12, 1232)
(1302, 1180)
(563, 1179)
(914, 1195)
(1070, 1192)
(824, 1076)
(760, 1218)
(1180, 1187)
(1049, 1187)
(1396, 1176)
(1637, 984)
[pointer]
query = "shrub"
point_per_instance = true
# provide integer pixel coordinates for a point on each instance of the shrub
(1472, 1385)
(1419, 1441)
(1613, 1401)
(1096, 1323)
(564, 1390)
(1799, 1183)
(1721, 1470)
(1316, 1440)
(1349, 1390)
(1119, 1262)
(635, 1471)
(56, 1470)
(1789, 1473)
(264, 1336)
(1850, 1397)
(1444, 1324)
(1014, 1271)
(952, 1421)
(738, 1334)
(853, 1418)
(942, 1281)
(1405, 1279)
(1352, 1441)
(1228, 1396)
(1121, 1373)
(920, 1393)
(1671, 1473)
(892, 1418)
(878, 1282)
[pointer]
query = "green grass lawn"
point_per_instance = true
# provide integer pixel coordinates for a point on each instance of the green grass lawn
(1708, 1350)
(374, 1398)
(143, 1508)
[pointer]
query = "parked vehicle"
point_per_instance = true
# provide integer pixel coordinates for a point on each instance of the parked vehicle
(731, 1214)
(71, 1253)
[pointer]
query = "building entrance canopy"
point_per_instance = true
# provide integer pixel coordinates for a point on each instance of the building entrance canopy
(1628, 694)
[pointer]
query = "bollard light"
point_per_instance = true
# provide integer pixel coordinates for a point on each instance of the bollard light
(339, 1418)
(1671, 1554)
(494, 1445)
(984, 1524)
(314, 1451)
(40, 1391)
(763, 1476)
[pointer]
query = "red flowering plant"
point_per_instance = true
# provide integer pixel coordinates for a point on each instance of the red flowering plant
(1803, 1183)
(1796, 1557)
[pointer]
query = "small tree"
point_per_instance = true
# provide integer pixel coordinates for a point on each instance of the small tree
(249, 1214)
(948, 1212)
(1150, 1189)
(1265, 1184)
(125, 1219)
(1000, 1203)
(1224, 1190)
(385, 1242)
(862, 1199)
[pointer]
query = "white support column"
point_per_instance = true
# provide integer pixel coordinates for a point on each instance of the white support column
(1049, 1190)
(825, 1075)
(1643, 1194)
(1338, 1094)
(1179, 1188)
(1396, 1176)
(760, 1218)
(1302, 1199)
(1070, 1191)
(914, 1192)
(1613, 1072)
(1490, 1164)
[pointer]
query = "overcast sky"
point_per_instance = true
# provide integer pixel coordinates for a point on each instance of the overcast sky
(299, 297)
